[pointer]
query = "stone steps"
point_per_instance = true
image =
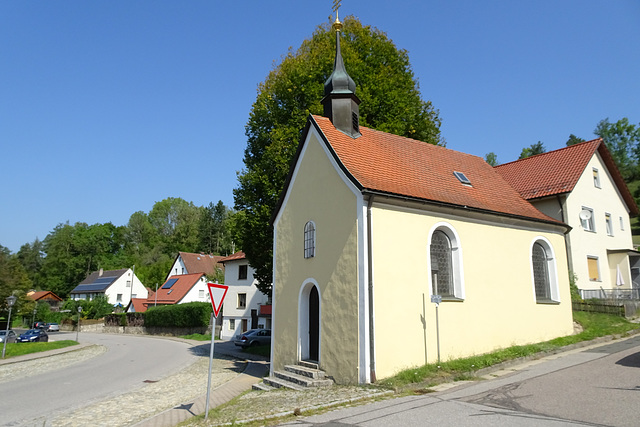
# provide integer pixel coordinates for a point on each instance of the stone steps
(296, 377)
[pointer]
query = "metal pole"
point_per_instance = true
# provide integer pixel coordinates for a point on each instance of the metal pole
(213, 329)
(438, 332)
(78, 325)
(6, 334)
(133, 274)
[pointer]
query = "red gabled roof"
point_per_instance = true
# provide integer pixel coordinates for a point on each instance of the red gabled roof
(234, 257)
(139, 304)
(201, 263)
(38, 295)
(380, 162)
(558, 171)
(177, 291)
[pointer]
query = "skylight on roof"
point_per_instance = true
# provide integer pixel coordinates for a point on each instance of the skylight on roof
(462, 177)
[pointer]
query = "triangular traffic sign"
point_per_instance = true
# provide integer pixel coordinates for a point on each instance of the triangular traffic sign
(217, 292)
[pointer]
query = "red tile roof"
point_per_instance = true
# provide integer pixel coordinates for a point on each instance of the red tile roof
(39, 295)
(139, 304)
(380, 162)
(558, 171)
(174, 295)
(201, 263)
(234, 257)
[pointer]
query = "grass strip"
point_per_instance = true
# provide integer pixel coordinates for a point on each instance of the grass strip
(594, 325)
(20, 349)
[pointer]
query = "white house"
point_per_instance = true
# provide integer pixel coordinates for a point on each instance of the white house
(179, 289)
(120, 286)
(244, 307)
(189, 263)
(581, 186)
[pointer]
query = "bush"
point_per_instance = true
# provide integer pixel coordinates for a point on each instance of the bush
(193, 314)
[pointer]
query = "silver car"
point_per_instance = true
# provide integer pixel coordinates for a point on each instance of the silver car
(52, 327)
(253, 337)
(11, 337)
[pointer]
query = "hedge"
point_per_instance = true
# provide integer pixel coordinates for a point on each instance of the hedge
(193, 314)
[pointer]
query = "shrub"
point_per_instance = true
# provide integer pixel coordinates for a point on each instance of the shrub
(193, 314)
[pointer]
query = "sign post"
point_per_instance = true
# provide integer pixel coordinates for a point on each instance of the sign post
(437, 299)
(217, 293)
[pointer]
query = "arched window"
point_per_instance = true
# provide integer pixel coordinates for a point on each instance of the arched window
(543, 267)
(441, 277)
(309, 239)
(445, 263)
(540, 271)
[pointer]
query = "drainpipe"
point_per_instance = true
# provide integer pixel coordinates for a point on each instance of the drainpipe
(567, 238)
(372, 358)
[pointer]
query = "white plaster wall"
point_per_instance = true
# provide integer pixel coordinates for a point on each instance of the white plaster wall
(230, 309)
(605, 199)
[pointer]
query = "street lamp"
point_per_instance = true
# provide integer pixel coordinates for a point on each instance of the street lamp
(33, 321)
(10, 301)
(78, 325)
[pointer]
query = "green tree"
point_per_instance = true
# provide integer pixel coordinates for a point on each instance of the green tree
(13, 280)
(537, 148)
(215, 236)
(622, 139)
(391, 102)
(176, 222)
(574, 140)
(31, 256)
(491, 158)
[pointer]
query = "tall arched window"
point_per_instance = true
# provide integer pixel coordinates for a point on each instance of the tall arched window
(543, 266)
(309, 239)
(445, 263)
(441, 277)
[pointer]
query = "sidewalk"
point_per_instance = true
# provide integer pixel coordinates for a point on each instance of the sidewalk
(253, 373)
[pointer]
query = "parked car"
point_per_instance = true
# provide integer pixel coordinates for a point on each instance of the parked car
(253, 337)
(37, 325)
(11, 336)
(34, 335)
(52, 327)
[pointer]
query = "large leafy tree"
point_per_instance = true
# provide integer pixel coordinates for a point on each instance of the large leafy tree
(623, 141)
(391, 102)
(537, 148)
(215, 235)
(13, 280)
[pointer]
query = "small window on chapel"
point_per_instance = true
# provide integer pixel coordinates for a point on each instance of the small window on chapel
(309, 240)
(355, 120)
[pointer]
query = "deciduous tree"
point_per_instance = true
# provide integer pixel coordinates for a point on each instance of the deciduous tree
(391, 102)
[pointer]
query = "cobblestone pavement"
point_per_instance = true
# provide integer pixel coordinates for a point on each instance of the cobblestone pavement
(263, 405)
(137, 405)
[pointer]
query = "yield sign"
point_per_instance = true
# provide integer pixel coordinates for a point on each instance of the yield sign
(217, 292)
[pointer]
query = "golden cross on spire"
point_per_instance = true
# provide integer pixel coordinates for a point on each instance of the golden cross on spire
(337, 25)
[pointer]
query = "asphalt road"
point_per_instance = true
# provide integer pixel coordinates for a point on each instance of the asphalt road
(597, 386)
(126, 364)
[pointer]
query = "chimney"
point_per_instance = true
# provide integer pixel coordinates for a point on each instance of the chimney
(100, 273)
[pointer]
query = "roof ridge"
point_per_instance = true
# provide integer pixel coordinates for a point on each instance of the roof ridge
(552, 152)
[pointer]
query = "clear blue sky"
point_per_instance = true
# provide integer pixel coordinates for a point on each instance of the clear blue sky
(109, 107)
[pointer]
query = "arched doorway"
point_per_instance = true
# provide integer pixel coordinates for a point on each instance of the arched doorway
(309, 323)
(314, 324)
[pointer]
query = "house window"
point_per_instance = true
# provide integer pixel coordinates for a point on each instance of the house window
(182, 270)
(201, 293)
(242, 300)
(232, 324)
(543, 266)
(309, 239)
(596, 178)
(609, 222)
(128, 283)
(119, 298)
(621, 224)
(445, 264)
(242, 272)
(594, 270)
(586, 219)
(134, 296)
